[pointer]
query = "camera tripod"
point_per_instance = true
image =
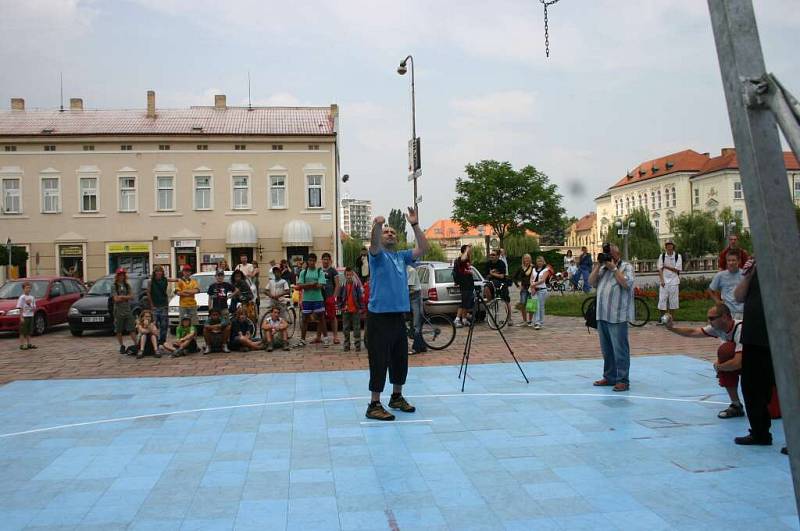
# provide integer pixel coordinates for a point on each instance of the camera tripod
(479, 300)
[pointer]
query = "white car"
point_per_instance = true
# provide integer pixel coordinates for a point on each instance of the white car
(204, 280)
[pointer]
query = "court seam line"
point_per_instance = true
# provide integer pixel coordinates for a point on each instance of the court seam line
(345, 399)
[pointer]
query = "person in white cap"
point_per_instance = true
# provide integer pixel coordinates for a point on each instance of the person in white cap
(669, 268)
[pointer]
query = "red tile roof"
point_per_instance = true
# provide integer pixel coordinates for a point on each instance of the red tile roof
(728, 161)
(447, 228)
(682, 161)
(585, 223)
(230, 121)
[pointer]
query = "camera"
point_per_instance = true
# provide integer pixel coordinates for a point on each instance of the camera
(605, 256)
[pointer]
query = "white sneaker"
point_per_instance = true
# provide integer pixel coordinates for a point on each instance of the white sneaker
(207, 350)
(225, 347)
(458, 323)
(530, 323)
(537, 326)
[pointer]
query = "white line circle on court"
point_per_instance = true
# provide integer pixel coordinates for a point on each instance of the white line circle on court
(351, 398)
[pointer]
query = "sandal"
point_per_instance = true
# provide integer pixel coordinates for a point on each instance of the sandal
(732, 411)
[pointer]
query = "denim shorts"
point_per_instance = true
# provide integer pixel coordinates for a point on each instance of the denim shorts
(310, 307)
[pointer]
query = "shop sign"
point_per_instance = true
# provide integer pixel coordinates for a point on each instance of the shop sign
(128, 247)
(70, 250)
(162, 256)
(185, 243)
(213, 258)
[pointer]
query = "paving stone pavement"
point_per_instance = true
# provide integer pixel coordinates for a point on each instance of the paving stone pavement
(97, 356)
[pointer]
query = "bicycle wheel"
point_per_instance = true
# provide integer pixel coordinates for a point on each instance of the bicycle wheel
(641, 312)
(291, 320)
(497, 313)
(438, 331)
(260, 324)
(586, 302)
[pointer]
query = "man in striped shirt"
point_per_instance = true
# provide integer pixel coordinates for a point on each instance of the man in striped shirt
(614, 282)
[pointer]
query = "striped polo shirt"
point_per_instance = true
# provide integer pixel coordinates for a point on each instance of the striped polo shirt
(615, 303)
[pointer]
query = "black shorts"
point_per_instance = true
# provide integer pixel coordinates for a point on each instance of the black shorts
(387, 345)
(467, 296)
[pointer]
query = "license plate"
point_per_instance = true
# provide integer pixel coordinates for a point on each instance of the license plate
(454, 291)
(92, 319)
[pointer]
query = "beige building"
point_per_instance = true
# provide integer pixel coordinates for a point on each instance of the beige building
(87, 191)
(583, 233)
(682, 182)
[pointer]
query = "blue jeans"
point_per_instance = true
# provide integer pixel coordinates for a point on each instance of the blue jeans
(616, 351)
(161, 316)
(585, 274)
(541, 296)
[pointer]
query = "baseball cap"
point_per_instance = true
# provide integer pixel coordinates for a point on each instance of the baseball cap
(121, 270)
(186, 267)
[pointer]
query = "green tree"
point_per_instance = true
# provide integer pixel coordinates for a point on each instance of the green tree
(695, 233)
(519, 244)
(18, 255)
(397, 220)
(351, 248)
(558, 234)
(508, 200)
(642, 239)
(435, 253)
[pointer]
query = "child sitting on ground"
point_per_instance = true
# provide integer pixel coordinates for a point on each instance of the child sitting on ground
(148, 331)
(242, 332)
(275, 330)
(187, 339)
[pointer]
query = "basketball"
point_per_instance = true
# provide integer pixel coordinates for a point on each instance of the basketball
(726, 351)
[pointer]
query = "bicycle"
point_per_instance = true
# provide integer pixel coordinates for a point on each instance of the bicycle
(498, 306)
(438, 331)
(641, 310)
(557, 283)
(288, 312)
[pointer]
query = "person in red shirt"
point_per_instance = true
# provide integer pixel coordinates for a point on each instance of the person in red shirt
(350, 301)
(733, 243)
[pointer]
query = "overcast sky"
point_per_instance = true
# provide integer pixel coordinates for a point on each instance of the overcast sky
(626, 81)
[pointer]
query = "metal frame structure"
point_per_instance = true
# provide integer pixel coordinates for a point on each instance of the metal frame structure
(754, 101)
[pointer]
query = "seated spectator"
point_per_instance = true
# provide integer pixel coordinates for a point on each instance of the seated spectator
(242, 332)
(216, 332)
(148, 333)
(274, 330)
(729, 355)
(187, 339)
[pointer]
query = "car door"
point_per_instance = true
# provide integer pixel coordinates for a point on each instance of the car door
(57, 299)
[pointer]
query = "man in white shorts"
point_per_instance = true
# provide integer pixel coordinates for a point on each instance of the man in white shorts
(669, 268)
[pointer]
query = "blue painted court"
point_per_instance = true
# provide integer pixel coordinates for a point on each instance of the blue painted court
(294, 451)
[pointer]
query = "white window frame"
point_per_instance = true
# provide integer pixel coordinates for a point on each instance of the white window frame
(174, 177)
(249, 194)
(674, 197)
(652, 200)
(285, 176)
(195, 176)
(796, 188)
(656, 225)
(19, 194)
(96, 178)
(133, 176)
(42, 192)
(321, 187)
(696, 197)
(738, 193)
(658, 196)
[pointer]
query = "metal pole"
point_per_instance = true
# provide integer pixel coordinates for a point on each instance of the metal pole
(414, 124)
(772, 217)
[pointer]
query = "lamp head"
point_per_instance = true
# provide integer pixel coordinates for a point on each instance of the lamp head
(618, 223)
(402, 68)
(632, 224)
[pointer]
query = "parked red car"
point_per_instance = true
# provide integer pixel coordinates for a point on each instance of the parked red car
(54, 296)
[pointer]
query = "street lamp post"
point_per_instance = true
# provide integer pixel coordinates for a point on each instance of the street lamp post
(727, 228)
(414, 160)
(622, 230)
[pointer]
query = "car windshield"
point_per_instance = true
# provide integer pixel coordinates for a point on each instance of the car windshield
(103, 286)
(12, 290)
(204, 281)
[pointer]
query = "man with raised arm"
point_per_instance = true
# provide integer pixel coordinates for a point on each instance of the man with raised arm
(387, 341)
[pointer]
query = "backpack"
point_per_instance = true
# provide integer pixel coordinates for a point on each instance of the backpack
(677, 257)
(591, 315)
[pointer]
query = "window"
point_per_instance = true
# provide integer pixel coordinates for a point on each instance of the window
(314, 187)
(656, 224)
(11, 148)
(696, 196)
(674, 197)
(49, 147)
(127, 193)
(658, 196)
(239, 147)
(277, 191)
(202, 147)
(313, 147)
(241, 192)
(51, 195)
(737, 190)
(163, 147)
(88, 188)
(739, 214)
(88, 147)
(796, 188)
(12, 197)
(652, 200)
(202, 192)
(277, 147)
(126, 147)
(165, 192)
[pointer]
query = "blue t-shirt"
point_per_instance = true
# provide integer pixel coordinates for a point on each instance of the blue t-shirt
(725, 282)
(388, 286)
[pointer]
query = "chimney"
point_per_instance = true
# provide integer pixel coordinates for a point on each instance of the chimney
(75, 104)
(220, 102)
(728, 151)
(17, 104)
(151, 104)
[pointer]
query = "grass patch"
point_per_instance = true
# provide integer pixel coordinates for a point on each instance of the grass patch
(569, 305)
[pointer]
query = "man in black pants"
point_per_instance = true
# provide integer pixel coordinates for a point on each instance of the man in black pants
(758, 377)
(387, 342)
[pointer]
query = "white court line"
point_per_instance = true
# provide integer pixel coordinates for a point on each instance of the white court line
(351, 398)
(390, 422)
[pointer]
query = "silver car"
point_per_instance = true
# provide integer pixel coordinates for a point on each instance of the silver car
(440, 293)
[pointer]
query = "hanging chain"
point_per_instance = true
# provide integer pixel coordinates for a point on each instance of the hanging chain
(546, 4)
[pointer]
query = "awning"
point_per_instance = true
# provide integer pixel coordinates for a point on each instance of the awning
(241, 233)
(297, 233)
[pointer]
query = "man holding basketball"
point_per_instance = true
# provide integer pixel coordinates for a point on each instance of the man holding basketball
(729, 354)
(387, 342)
